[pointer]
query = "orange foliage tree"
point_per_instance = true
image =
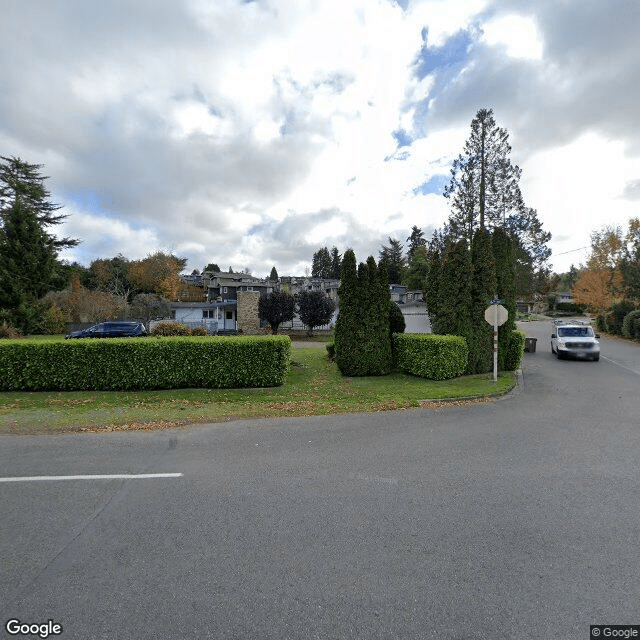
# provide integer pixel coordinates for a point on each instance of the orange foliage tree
(598, 289)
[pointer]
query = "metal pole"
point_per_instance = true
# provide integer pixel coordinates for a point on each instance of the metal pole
(495, 343)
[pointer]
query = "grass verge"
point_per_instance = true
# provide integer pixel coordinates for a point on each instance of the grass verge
(314, 386)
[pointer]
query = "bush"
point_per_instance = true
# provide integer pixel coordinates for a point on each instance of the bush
(131, 364)
(571, 307)
(615, 318)
(397, 322)
(171, 329)
(8, 332)
(331, 351)
(631, 325)
(199, 331)
(431, 356)
(515, 351)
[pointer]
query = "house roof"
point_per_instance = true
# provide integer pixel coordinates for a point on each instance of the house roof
(202, 305)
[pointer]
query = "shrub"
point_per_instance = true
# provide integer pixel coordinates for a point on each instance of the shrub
(8, 332)
(571, 307)
(631, 325)
(130, 364)
(615, 318)
(397, 322)
(331, 351)
(515, 351)
(431, 356)
(171, 329)
(199, 331)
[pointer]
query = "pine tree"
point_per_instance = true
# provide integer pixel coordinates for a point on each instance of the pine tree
(483, 290)
(321, 266)
(273, 275)
(28, 264)
(432, 286)
(391, 257)
(336, 259)
(22, 180)
(415, 240)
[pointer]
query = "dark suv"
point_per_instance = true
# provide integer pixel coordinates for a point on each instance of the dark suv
(111, 330)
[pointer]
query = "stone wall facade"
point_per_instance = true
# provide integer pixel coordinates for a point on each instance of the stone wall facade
(247, 313)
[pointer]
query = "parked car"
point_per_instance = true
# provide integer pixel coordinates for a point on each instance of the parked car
(574, 340)
(114, 329)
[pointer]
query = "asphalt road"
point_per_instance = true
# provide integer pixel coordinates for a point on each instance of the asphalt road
(514, 519)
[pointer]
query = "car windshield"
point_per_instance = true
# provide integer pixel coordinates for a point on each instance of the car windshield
(575, 332)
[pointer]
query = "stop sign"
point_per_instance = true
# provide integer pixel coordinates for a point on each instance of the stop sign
(496, 315)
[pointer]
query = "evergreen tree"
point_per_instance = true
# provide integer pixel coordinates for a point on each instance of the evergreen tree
(454, 291)
(22, 180)
(336, 259)
(28, 264)
(432, 286)
(417, 269)
(362, 340)
(503, 247)
(273, 275)
(483, 290)
(415, 240)
(321, 266)
(391, 257)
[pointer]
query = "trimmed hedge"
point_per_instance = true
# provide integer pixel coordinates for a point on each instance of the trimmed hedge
(431, 356)
(144, 363)
(515, 350)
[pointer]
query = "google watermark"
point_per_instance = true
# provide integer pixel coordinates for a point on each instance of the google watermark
(15, 627)
(598, 631)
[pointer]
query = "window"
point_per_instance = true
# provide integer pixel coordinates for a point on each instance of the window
(208, 313)
(229, 315)
(224, 289)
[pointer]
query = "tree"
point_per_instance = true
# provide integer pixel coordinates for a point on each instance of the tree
(28, 264)
(597, 289)
(314, 308)
(336, 259)
(392, 259)
(630, 262)
(321, 265)
(112, 275)
(149, 306)
(417, 269)
(273, 275)
(483, 290)
(275, 308)
(23, 181)
(158, 273)
(211, 267)
(454, 292)
(485, 194)
(415, 241)
(503, 247)
(362, 338)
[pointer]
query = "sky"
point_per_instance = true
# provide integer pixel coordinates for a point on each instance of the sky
(250, 133)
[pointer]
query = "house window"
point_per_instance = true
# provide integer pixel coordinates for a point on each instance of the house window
(173, 314)
(208, 313)
(229, 315)
(224, 289)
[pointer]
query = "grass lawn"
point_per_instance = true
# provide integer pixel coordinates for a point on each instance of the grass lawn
(314, 386)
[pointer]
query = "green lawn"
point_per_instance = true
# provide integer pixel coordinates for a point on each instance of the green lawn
(314, 386)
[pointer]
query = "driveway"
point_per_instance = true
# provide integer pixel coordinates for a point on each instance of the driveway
(517, 518)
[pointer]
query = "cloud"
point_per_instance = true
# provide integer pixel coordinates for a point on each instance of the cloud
(252, 133)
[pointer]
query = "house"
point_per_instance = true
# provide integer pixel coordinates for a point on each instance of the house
(214, 316)
(295, 284)
(398, 293)
(224, 286)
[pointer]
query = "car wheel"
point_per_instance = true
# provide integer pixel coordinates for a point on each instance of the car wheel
(552, 351)
(596, 358)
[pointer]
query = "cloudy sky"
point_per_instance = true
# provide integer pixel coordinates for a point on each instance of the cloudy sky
(251, 133)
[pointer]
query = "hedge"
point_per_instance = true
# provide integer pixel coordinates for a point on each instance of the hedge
(631, 325)
(144, 363)
(431, 356)
(515, 350)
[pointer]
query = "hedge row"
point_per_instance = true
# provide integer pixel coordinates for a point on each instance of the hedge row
(431, 356)
(631, 325)
(144, 363)
(439, 357)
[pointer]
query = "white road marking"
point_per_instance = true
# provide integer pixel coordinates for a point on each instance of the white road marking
(121, 476)
(620, 365)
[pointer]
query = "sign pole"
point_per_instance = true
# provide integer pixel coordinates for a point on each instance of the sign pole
(495, 343)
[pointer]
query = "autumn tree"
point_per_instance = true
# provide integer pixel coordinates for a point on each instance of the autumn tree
(158, 273)
(597, 289)
(149, 306)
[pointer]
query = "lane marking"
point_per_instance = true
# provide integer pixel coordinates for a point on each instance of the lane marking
(120, 476)
(619, 365)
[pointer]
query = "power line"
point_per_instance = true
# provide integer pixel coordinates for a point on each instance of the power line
(572, 251)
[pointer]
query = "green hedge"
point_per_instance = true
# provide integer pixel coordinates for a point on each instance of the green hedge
(631, 325)
(515, 351)
(144, 363)
(431, 356)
